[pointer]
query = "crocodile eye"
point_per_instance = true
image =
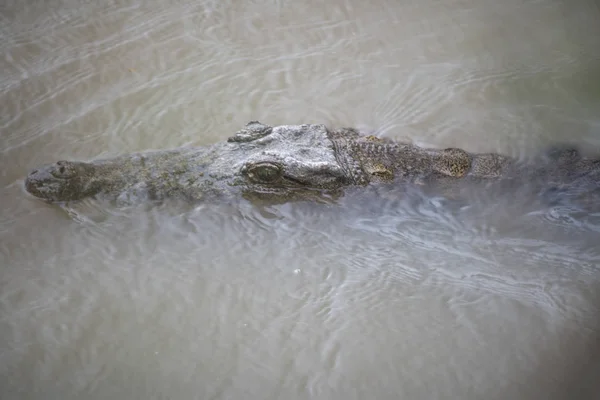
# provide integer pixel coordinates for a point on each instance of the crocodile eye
(264, 172)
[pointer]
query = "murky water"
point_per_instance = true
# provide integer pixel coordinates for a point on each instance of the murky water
(375, 296)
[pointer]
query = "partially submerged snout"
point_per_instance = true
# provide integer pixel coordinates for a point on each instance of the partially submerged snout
(61, 181)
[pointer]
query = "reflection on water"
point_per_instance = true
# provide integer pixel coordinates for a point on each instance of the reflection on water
(379, 295)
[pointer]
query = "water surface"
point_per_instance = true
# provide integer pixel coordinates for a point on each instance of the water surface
(378, 295)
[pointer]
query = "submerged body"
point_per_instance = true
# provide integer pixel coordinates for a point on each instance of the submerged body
(297, 161)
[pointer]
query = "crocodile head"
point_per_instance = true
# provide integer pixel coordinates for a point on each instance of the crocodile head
(62, 181)
(259, 161)
(282, 162)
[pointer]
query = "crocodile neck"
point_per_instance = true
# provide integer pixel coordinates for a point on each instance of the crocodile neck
(369, 160)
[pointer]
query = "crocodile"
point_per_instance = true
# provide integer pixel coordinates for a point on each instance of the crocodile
(298, 162)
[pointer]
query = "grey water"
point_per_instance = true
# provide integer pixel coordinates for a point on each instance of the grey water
(372, 296)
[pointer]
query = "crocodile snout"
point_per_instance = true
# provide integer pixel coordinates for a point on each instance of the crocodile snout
(41, 183)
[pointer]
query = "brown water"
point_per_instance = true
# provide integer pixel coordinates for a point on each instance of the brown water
(376, 297)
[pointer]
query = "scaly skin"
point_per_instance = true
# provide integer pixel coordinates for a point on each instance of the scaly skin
(150, 175)
(289, 162)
